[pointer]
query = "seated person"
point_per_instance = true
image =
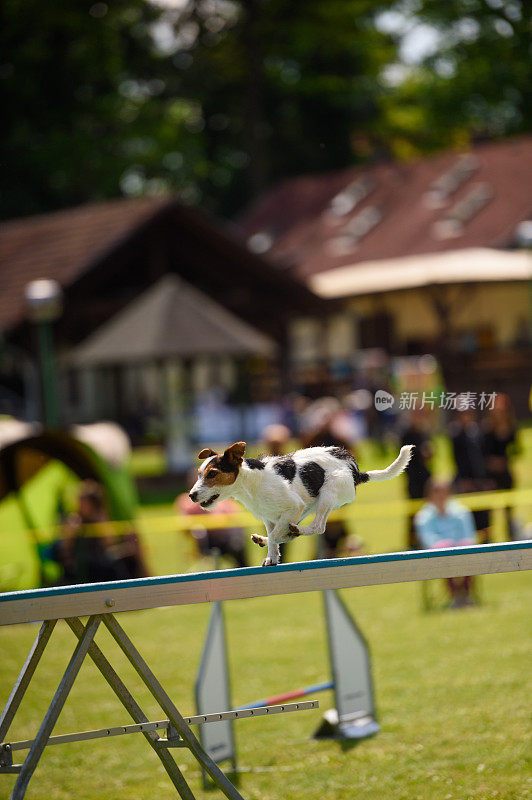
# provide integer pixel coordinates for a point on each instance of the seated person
(444, 522)
(89, 552)
(228, 541)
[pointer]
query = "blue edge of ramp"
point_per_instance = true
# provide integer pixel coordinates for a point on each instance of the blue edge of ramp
(297, 566)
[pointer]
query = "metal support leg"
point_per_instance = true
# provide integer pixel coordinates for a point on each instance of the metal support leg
(149, 679)
(135, 711)
(25, 676)
(74, 665)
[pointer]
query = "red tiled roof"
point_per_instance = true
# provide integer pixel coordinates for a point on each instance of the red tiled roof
(63, 246)
(402, 221)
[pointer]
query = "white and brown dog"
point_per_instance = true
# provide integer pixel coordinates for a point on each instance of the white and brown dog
(283, 490)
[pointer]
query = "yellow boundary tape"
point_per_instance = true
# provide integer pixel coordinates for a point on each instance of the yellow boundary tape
(354, 511)
(243, 519)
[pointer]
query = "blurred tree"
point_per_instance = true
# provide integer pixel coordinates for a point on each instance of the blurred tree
(216, 99)
(86, 109)
(284, 86)
(213, 98)
(475, 81)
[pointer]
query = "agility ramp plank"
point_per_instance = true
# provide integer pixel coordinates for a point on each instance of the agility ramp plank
(307, 576)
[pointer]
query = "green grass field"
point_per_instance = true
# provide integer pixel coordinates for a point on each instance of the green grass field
(452, 688)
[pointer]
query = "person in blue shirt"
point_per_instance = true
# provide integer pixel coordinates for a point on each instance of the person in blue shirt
(444, 522)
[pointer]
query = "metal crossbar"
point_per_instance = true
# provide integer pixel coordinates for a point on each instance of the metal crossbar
(164, 724)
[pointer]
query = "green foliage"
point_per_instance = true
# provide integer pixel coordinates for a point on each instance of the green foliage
(477, 83)
(85, 101)
(214, 100)
(284, 85)
(217, 100)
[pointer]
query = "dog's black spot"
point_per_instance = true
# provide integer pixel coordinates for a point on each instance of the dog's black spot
(285, 466)
(345, 455)
(255, 463)
(312, 476)
(341, 452)
(358, 477)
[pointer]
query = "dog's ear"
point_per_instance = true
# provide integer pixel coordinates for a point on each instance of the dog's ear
(235, 453)
(206, 453)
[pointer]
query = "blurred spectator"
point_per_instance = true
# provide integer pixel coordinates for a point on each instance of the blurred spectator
(229, 542)
(352, 546)
(275, 438)
(381, 421)
(444, 522)
(89, 551)
(417, 472)
(500, 439)
(468, 443)
(328, 425)
(359, 403)
(293, 410)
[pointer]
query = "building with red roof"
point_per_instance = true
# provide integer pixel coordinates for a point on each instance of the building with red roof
(427, 256)
(148, 284)
(431, 256)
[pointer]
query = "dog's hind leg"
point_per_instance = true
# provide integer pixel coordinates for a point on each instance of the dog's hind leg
(324, 508)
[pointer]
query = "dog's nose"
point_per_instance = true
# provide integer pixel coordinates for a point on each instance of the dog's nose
(193, 496)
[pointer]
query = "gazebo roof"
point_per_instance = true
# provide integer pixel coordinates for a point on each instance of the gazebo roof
(171, 319)
(105, 255)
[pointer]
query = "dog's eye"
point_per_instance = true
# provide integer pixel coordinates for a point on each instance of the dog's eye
(211, 473)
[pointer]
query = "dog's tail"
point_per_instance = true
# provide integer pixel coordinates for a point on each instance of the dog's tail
(395, 469)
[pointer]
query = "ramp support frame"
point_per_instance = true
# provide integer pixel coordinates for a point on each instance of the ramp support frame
(177, 727)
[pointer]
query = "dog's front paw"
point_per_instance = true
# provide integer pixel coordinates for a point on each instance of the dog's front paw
(260, 540)
(293, 530)
(270, 562)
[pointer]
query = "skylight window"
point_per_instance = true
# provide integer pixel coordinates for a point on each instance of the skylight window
(446, 185)
(523, 233)
(355, 230)
(348, 199)
(463, 212)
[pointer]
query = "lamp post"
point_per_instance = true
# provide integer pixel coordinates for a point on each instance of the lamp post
(43, 298)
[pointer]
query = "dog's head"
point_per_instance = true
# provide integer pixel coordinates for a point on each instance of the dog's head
(217, 474)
